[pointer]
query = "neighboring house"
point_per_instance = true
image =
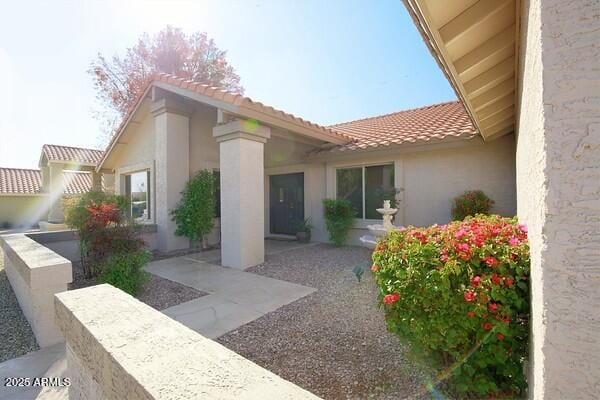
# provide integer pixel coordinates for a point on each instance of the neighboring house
(29, 196)
(275, 169)
(533, 67)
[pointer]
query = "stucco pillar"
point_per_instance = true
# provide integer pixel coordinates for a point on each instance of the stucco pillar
(96, 180)
(171, 126)
(55, 193)
(241, 149)
(109, 182)
(558, 193)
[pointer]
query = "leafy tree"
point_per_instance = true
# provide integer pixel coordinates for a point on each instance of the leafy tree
(120, 80)
(195, 212)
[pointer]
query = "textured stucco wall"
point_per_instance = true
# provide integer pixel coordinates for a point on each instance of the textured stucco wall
(431, 179)
(558, 191)
(21, 211)
(120, 348)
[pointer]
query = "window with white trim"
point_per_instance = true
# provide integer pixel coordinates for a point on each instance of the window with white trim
(366, 187)
(137, 190)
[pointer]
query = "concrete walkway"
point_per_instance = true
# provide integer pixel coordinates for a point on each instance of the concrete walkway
(235, 298)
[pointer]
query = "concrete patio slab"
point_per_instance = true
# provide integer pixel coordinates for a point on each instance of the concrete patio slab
(235, 297)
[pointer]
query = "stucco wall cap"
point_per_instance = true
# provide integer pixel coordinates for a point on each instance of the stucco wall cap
(171, 105)
(245, 129)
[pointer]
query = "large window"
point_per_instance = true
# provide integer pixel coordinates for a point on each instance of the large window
(366, 188)
(137, 189)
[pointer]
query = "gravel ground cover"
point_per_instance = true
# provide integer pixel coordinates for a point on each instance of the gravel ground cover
(158, 292)
(16, 337)
(333, 342)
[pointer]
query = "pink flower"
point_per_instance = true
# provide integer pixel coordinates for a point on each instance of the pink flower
(475, 281)
(444, 257)
(513, 241)
(470, 296)
(462, 247)
(523, 228)
(490, 261)
(460, 233)
(375, 268)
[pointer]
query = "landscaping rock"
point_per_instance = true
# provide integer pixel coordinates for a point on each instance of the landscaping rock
(16, 336)
(333, 342)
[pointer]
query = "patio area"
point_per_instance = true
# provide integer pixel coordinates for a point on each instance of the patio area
(302, 315)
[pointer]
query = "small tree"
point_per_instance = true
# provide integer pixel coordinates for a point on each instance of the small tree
(195, 212)
(339, 218)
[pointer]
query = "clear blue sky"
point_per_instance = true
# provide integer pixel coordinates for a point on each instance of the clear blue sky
(326, 61)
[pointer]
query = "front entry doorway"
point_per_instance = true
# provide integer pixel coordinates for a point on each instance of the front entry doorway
(286, 199)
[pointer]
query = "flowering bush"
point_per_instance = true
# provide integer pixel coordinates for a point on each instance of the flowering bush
(458, 294)
(471, 203)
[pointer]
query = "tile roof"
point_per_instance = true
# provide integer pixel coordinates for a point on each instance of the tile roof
(434, 122)
(235, 99)
(20, 181)
(72, 154)
(29, 181)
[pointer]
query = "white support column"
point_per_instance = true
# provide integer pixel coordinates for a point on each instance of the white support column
(55, 193)
(171, 125)
(241, 145)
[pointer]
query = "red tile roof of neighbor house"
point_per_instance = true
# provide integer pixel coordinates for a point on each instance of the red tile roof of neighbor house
(72, 154)
(424, 124)
(29, 181)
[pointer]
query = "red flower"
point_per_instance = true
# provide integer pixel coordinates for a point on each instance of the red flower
(475, 281)
(484, 315)
(509, 281)
(374, 267)
(391, 298)
(490, 261)
(487, 326)
(500, 336)
(470, 296)
(444, 257)
(496, 280)
(492, 307)
(471, 314)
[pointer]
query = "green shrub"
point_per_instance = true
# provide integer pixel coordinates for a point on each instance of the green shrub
(459, 295)
(195, 212)
(471, 203)
(339, 218)
(124, 271)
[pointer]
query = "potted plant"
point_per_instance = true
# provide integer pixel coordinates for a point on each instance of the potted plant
(303, 231)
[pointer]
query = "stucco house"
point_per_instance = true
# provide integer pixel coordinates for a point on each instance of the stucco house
(275, 169)
(31, 196)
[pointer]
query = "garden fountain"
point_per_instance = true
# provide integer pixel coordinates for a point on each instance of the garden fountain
(378, 230)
